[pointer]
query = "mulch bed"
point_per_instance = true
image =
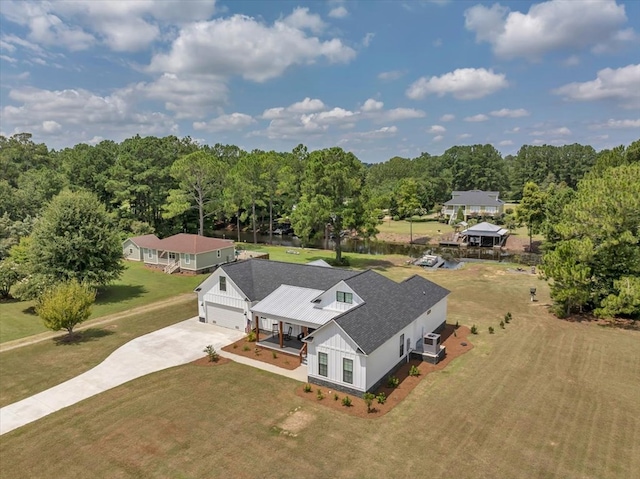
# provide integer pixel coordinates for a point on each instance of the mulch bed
(204, 361)
(407, 383)
(249, 350)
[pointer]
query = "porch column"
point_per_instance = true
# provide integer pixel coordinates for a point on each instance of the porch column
(257, 328)
(281, 335)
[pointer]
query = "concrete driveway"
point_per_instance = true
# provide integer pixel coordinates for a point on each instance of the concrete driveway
(171, 346)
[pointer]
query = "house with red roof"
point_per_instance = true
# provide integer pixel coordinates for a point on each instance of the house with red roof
(182, 252)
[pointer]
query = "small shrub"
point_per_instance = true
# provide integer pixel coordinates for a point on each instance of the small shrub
(507, 318)
(251, 337)
(274, 355)
(502, 324)
(246, 348)
(235, 346)
(381, 398)
(319, 395)
(491, 331)
(392, 382)
(335, 396)
(474, 329)
(396, 218)
(414, 371)
(368, 400)
(212, 353)
(307, 388)
(346, 401)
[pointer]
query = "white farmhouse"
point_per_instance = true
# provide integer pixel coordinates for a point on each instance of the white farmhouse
(353, 328)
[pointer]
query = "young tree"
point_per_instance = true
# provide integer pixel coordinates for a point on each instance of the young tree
(333, 194)
(531, 210)
(247, 179)
(10, 274)
(201, 178)
(66, 305)
(408, 201)
(75, 239)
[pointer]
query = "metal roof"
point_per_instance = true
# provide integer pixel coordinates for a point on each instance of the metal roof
(485, 229)
(294, 302)
(319, 262)
(474, 198)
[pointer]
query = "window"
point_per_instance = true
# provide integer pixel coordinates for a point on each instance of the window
(219, 253)
(401, 345)
(150, 253)
(343, 297)
(322, 364)
(187, 258)
(347, 370)
(223, 283)
(130, 250)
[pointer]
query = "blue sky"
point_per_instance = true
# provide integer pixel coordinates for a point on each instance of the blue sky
(379, 79)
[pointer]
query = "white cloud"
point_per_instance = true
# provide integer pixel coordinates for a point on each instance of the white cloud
(50, 126)
(7, 46)
(391, 75)
(396, 114)
(617, 124)
(507, 113)
(307, 105)
(9, 59)
(571, 61)
(515, 129)
(464, 136)
(505, 143)
(555, 25)
(234, 121)
(436, 129)
(620, 85)
(77, 115)
(366, 41)
(447, 117)
(338, 12)
(384, 132)
(372, 105)
(438, 138)
(554, 132)
(463, 84)
(301, 19)
(477, 118)
(241, 45)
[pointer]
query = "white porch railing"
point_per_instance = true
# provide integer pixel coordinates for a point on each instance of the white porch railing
(172, 267)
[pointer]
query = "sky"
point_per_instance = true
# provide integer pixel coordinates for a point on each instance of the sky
(379, 79)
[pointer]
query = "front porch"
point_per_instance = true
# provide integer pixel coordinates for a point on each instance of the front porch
(292, 346)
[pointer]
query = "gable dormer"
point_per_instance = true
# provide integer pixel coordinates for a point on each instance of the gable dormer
(338, 298)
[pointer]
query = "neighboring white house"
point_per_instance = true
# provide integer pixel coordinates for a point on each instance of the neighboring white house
(474, 202)
(355, 327)
(181, 252)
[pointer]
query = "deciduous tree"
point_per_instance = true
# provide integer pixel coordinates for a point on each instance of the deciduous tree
(66, 305)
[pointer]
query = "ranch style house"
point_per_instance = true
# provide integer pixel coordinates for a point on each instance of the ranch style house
(474, 202)
(182, 252)
(351, 328)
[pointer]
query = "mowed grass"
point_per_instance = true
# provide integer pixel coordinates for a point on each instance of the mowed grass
(421, 227)
(542, 398)
(138, 286)
(30, 369)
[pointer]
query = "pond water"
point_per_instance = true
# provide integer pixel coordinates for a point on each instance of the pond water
(452, 256)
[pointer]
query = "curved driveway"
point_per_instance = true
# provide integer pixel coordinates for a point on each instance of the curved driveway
(171, 346)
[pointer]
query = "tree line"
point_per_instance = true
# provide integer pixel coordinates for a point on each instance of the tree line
(169, 185)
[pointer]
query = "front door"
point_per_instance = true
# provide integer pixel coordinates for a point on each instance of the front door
(172, 256)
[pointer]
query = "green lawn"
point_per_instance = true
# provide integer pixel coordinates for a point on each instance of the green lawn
(421, 227)
(30, 369)
(138, 286)
(540, 399)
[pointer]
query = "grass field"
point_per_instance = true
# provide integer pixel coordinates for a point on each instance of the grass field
(542, 398)
(30, 369)
(137, 286)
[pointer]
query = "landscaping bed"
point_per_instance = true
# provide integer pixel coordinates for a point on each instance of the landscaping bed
(248, 349)
(406, 383)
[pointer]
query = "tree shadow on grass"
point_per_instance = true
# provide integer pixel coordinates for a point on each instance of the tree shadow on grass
(31, 311)
(80, 337)
(116, 293)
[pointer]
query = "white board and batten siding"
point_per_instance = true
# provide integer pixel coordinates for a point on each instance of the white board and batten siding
(333, 341)
(225, 308)
(380, 361)
(328, 298)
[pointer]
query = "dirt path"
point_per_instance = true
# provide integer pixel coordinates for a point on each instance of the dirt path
(37, 338)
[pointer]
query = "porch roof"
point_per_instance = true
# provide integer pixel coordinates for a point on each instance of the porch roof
(294, 303)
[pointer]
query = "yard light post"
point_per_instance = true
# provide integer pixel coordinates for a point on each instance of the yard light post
(532, 292)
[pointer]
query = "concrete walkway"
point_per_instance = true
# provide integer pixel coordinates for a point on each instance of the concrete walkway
(172, 346)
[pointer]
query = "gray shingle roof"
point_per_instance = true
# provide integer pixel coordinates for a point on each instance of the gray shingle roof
(258, 278)
(475, 197)
(388, 307)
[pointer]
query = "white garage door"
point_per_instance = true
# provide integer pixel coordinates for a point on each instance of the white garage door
(226, 316)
